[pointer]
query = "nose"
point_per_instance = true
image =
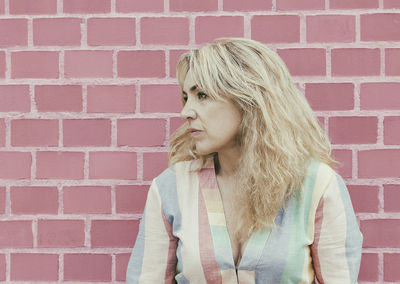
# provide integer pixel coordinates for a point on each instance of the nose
(188, 111)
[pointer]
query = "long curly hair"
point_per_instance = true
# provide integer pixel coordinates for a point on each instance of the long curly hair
(278, 136)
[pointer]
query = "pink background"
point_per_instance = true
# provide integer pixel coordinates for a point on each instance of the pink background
(88, 101)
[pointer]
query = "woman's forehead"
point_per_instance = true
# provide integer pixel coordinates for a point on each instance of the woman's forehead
(189, 85)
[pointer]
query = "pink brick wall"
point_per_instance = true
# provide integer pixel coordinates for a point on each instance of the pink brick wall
(88, 101)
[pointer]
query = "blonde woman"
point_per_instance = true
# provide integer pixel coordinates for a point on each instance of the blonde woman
(250, 195)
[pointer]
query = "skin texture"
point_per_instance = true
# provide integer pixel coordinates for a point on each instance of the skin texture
(218, 122)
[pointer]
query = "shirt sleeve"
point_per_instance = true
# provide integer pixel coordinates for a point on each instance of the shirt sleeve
(336, 250)
(153, 259)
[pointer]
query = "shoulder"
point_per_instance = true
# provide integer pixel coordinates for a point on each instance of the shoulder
(170, 182)
(169, 175)
(319, 175)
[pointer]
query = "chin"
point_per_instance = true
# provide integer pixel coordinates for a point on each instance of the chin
(204, 150)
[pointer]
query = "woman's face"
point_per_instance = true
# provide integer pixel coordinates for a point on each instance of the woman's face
(213, 124)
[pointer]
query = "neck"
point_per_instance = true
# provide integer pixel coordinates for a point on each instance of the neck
(228, 161)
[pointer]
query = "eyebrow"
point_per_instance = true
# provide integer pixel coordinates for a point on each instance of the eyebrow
(193, 88)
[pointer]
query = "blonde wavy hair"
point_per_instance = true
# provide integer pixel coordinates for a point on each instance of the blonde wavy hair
(278, 135)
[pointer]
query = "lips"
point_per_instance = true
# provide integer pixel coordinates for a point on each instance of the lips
(194, 131)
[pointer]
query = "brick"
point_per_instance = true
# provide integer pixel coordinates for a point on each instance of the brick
(173, 60)
(34, 64)
(304, 61)
(250, 5)
(2, 202)
(353, 130)
(33, 267)
(34, 132)
(121, 264)
(388, 4)
(16, 234)
(378, 233)
(129, 6)
(34, 200)
(15, 165)
(111, 31)
(275, 28)
(193, 5)
(391, 130)
(391, 197)
(170, 30)
(87, 199)
(112, 165)
(353, 4)
(13, 32)
(346, 160)
(160, 98)
(154, 164)
(58, 98)
(59, 165)
(113, 233)
(355, 62)
(61, 233)
(380, 27)
(88, 63)
(331, 28)
(18, 7)
(330, 96)
(111, 99)
(208, 28)
(364, 198)
(131, 198)
(2, 132)
(14, 98)
(2, 267)
(2, 64)
(86, 132)
(369, 267)
(380, 96)
(391, 263)
(300, 5)
(2, 8)
(378, 163)
(87, 267)
(392, 61)
(57, 31)
(130, 132)
(141, 63)
(87, 6)
(175, 123)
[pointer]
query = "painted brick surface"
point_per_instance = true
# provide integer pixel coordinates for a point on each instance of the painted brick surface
(34, 266)
(59, 31)
(58, 98)
(34, 200)
(111, 31)
(59, 165)
(27, 7)
(13, 32)
(89, 101)
(274, 28)
(331, 28)
(87, 199)
(111, 98)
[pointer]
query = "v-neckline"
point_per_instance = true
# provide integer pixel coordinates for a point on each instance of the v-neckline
(252, 243)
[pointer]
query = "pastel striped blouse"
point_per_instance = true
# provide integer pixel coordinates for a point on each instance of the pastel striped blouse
(183, 236)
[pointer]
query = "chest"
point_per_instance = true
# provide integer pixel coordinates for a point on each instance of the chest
(230, 203)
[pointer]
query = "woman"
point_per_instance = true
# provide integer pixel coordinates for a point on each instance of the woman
(250, 195)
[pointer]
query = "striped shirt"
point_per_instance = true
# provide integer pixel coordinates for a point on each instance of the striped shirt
(183, 236)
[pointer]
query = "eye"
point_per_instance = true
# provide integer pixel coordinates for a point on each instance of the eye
(202, 96)
(184, 97)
